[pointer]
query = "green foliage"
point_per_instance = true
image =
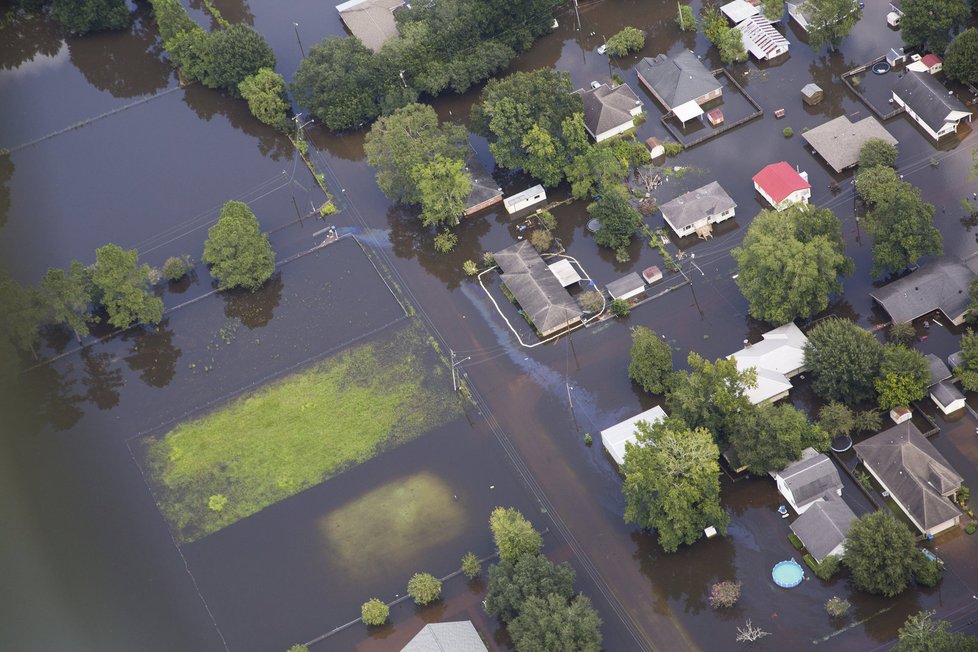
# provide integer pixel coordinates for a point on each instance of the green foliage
(769, 437)
(926, 572)
(904, 333)
(788, 132)
(619, 307)
(265, 93)
(844, 359)
(443, 185)
(541, 239)
(968, 371)
(217, 502)
(773, 10)
(590, 301)
(672, 482)
(68, 297)
(470, 268)
(673, 149)
(23, 310)
(176, 267)
(964, 495)
(873, 184)
(904, 376)
(880, 553)
(789, 263)
(627, 40)
(588, 439)
(547, 220)
(544, 156)
(513, 533)
(928, 23)
(374, 612)
(836, 419)
(837, 607)
(471, 565)
(830, 21)
(511, 584)
(810, 561)
(903, 230)
(595, 171)
(445, 242)
(877, 151)
(550, 623)
(795, 541)
(122, 287)
(714, 24)
(961, 59)
(82, 16)
(724, 595)
(921, 634)
(232, 55)
(425, 588)
(828, 567)
(618, 218)
(731, 47)
(711, 395)
(238, 253)
(685, 19)
(298, 647)
(971, 528)
(651, 360)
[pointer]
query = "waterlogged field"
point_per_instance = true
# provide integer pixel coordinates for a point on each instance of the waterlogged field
(295, 433)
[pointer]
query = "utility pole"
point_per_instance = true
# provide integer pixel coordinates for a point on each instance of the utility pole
(578, 16)
(693, 263)
(301, 49)
(455, 364)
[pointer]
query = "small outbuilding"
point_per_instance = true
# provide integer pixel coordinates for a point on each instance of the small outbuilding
(739, 11)
(955, 360)
(895, 56)
(947, 397)
(626, 287)
(525, 199)
(565, 272)
(715, 117)
(811, 479)
(811, 94)
(614, 438)
(698, 210)
(656, 148)
(781, 185)
(901, 414)
(761, 39)
(652, 274)
(485, 192)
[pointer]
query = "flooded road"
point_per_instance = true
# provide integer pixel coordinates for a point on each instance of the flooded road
(91, 559)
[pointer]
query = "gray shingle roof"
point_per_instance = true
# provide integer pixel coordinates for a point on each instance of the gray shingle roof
(938, 285)
(677, 80)
(545, 301)
(606, 107)
(938, 370)
(928, 98)
(625, 284)
(695, 205)
(484, 187)
(459, 636)
(811, 478)
(371, 21)
(946, 393)
(916, 474)
(824, 526)
(838, 141)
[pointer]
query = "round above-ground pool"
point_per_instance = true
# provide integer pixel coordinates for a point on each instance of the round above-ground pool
(881, 67)
(787, 574)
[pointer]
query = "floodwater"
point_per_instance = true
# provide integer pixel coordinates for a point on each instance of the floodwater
(88, 560)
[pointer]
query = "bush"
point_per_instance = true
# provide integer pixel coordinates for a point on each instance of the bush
(810, 562)
(487, 259)
(470, 565)
(685, 19)
(588, 439)
(627, 40)
(541, 239)
(837, 607)
(232, 55)
(964, 495)
(374, 612)
(513, 534)
(265, 93)
(971, 527)
(547, 220)
(672, 149)
(470, 268)
(788, 132)
(620, 308)
(176, 267)
(724, 594)
(590, 301)
(217, 502)
(926, 571)
(424, 588)
(827, 568)
(445, 242)
(795, 541)
(298, 647)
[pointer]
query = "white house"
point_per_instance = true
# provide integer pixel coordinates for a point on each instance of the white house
(824, 526)
(698, 210)
(811, 479)
(761, 39)
(947, 397)
(525, 199)
(779, 356)
(781, 185)
(614, 438)
(929, 63)
(930, 104)
(609, 111)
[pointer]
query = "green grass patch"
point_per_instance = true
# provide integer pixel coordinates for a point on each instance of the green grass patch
(299, 431)
(810, 562)
(795, 541)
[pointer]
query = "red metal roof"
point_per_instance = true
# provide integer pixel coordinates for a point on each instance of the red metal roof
(930, 60)
(780, 180)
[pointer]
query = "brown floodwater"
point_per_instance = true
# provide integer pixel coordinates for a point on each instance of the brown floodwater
(88, 560)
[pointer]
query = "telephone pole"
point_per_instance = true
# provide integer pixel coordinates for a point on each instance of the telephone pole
(455, 364)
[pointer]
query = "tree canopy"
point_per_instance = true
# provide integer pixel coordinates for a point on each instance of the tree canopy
(710, 395)
(790, 262)
(231, 55)
(877, 151)
(443, 186)
(619, 220)
(770, 437)
(238, 253)
(920, 633)
(672, 482)
(512, 583)
(836, 419)
(23, 311)
(773, 10)
(424, 588)
(903, 230)
(68, 298)
(961, 59)
(551, 623)
(968, 371)
(874, 183)
(880, 553)
(903, 377)
(731, 47)
(82, 16)
(513, 533)
(122, 287)
(844, 360)
(830, 21)
(651, 360)
(929, 23)
(627, 40)
(265, 93)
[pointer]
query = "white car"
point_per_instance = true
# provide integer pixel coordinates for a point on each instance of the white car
(602, 48)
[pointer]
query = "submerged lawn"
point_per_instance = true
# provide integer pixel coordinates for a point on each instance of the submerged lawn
(298, 432)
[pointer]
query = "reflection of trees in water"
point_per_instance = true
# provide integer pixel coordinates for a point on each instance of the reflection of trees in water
(153, 354)
(6, 174)
(52, 392)
(254, 309)
(826, 72)
(102, 379)
(207, 103)
(124, 63)
(24, 37)
(234, 11)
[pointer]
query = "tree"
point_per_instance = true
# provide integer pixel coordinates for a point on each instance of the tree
(830, 21)
(685, 19)
(424, 588)
(836, 419)
(731, 47)
(541, 239)
(265, 93)
(968, 371)
(837, 607)
(770, 437)
(67, 296)
(844, 359)
(511, 584)
(710, 395)
(513, 534)
(594, 171)
(874, 183)
(880, 553)
(374, 612)
(714, 24)
(233, 54)
(961, 59)
(176, 267)
(773, 10)
(672, 482)
(443, 186)
(904, 376)
(445, 242)
(922, 634)
(790, 262)
(550, 623)
(903, 230)
(398, 144)
(651, 360)
(238, 253)
(23, 311)
(868, 421)
(618, 218)
(926, 572)
(928, 23)
(627, 40)
(544, 156)
(82, 16)
(877, 151)
(470, 565)
(903, 332)
(122, 287)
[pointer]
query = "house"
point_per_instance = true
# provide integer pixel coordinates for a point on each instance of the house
(915, 474)
(955, 360)
(777, 358)
(838, 141)
(460, 636)
(681, 84)
(371, 21)
(811, 94)
(947, 397)
(895, 15)
(930, 104)
(937, 369)
(781, 185)
(761, 39)
(614, 438)
(811, 479)
(609, 111)
(485, 192)
(940, 284)
(538, 292)
(739, 11)
(525, 199)
(626, 287)
(697, 210)
(823, 527)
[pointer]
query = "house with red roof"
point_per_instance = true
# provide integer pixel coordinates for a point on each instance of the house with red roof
(781, 185)
(930, 63)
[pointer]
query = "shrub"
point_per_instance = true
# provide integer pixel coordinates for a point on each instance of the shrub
(620, 308)
(298, 647)
(328, 208)
(470, 565)
(648, 206)
(588, 440)
(470, 268)
(810, 562)
(590, 301)
(724, 594)
(374, 612)
(685, 19)
(445, 242)
(964, 494)
(424, 588)
(488, 259)
(926, 571)
(217, 502)
(627, 40)
(672, 149)
(902, 332)
(176, 267)
(827, 568)
(541, 239)
(788, 132)
(837, 607)
(971, 527)
(547, 220)
(795, 541)
(265, 93)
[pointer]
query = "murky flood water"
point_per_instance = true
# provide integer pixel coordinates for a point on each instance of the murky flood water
(91, 564)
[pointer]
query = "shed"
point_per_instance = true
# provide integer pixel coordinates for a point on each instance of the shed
(955, 360)
(656, 148)
(626, 287)
(811, 94)
(938, 370)
(652, 274)
(614, 438)
(565, 272)
(901, 414)
(947, 397)
(715, 117)
(895, 56)
(525, 199)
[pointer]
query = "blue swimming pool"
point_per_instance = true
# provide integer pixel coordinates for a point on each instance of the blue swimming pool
(787, 574)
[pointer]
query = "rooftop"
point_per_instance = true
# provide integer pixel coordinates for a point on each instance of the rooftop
(695, 205)
(739, 10)
(946, 392)
(615, 437)
(824, 526)
(537, 290)
(460, 636)
(484, 187)
(928, 98)
(371, 21)
(938, 370)
(679, 79)
(838, 141)
(780, 180)
(941, 284)
(625, 284)
(812, 477)
(760, 38)
(779, 354)
(606, 108)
